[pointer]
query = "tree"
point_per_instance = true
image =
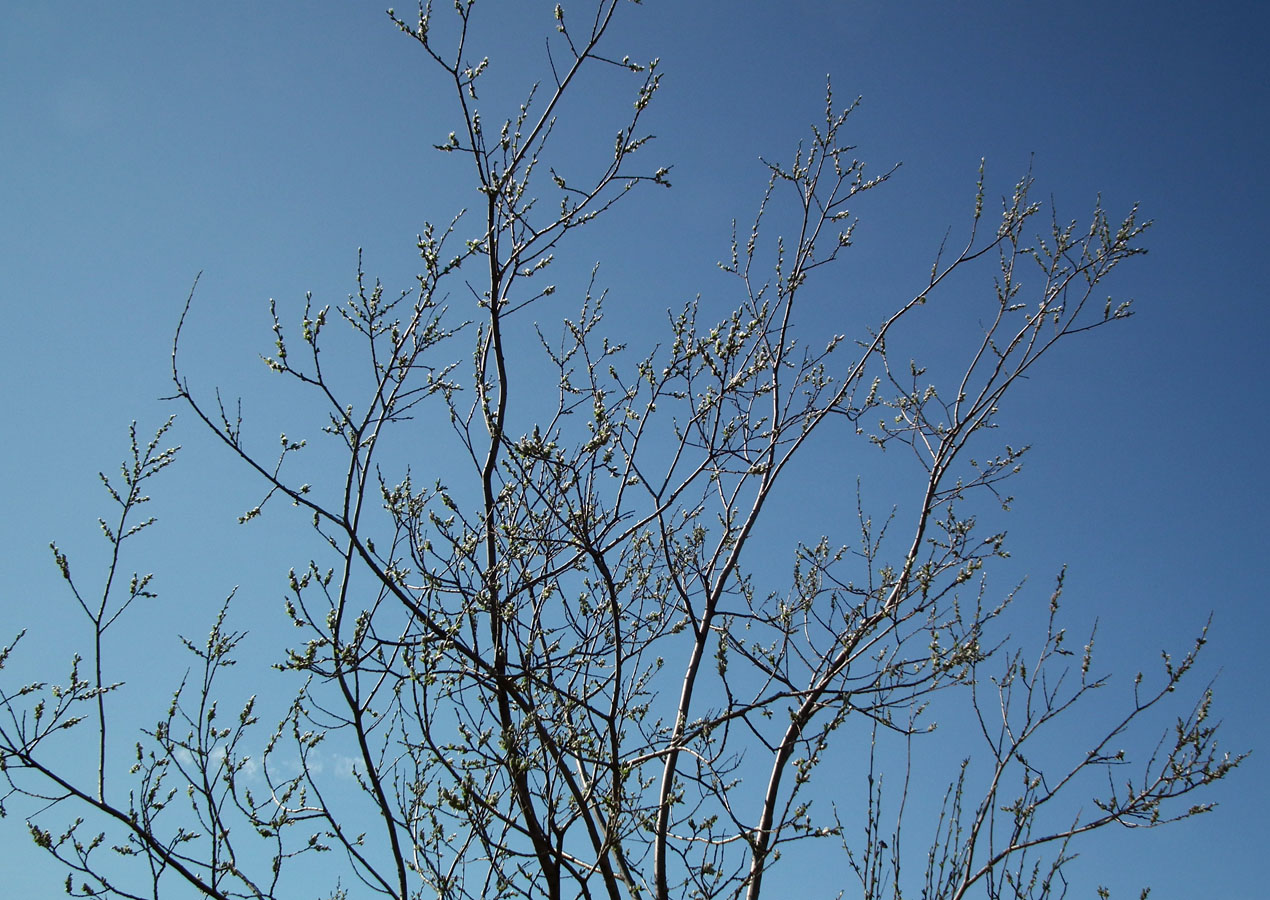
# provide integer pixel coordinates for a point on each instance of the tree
(558, 668)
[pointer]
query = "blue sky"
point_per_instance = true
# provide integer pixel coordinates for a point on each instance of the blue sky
(263, 144)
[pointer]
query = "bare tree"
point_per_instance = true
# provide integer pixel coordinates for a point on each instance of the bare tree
(554, 669)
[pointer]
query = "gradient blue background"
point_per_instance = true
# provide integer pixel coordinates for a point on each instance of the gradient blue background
(262, 144)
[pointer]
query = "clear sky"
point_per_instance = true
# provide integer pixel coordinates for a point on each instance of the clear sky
(264, 143)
